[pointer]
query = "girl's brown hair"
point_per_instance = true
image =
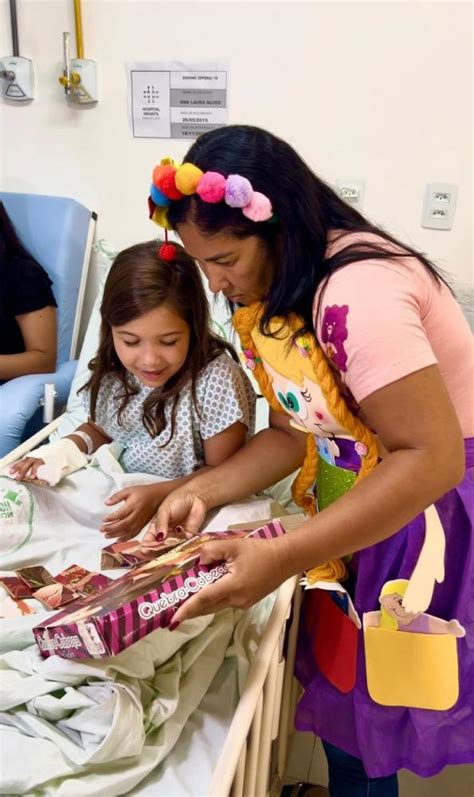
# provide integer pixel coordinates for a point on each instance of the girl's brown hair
(140, 281)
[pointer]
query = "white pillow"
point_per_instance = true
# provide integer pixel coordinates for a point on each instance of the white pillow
(75, 414)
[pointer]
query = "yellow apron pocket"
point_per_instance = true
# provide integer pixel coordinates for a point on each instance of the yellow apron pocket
(406, 668)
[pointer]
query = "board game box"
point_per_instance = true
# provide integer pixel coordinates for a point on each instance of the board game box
(145, 598)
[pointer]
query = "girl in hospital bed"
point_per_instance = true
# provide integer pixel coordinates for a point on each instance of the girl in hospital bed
(163, 386)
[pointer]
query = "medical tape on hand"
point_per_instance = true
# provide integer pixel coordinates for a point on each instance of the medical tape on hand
(60, 459)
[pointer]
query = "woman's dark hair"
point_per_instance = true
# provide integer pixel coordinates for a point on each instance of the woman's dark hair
(11, 246)
(140, 281)
(306, 210)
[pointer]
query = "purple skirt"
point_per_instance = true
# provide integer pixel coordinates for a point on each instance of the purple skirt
(385, 738)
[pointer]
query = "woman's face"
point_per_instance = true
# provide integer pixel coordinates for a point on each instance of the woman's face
(241, 268)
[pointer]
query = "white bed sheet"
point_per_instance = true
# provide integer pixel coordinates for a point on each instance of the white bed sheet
(187, 770)
(73, 538)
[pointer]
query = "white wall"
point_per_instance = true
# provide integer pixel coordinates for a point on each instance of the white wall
(375, 90)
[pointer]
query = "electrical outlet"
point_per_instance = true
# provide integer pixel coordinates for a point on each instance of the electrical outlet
(439, 205)
(351, 191)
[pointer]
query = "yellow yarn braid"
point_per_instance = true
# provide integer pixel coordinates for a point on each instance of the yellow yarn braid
(245, 320)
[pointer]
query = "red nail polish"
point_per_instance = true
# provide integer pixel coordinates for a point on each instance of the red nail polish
(174, 625)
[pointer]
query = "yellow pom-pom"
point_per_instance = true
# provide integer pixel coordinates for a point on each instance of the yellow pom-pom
(187, 178)
(160, 217)
(169, 162)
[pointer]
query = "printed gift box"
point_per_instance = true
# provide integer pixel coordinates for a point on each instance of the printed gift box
(145, 598)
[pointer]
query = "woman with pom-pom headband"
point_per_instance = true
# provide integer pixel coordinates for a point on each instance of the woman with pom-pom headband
(338, 322)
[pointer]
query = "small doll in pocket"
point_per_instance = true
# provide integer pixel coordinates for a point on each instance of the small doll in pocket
(394, 616)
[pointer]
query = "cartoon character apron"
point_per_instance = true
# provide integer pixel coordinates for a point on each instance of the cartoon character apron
(348, 642)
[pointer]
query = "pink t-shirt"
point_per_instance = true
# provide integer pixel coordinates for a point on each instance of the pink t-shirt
(381, 320)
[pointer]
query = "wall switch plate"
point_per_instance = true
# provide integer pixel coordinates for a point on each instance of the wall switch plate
(351, 190)
(439, 205)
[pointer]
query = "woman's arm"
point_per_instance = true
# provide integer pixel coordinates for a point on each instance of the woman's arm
(266, 458)
(418, 426)
(38, 330)
(416, 421)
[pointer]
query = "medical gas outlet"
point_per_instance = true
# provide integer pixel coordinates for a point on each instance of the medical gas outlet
(79, 77)
(17, 78)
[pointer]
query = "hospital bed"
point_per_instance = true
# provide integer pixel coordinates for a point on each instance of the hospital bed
(245, 749)
(237, 742)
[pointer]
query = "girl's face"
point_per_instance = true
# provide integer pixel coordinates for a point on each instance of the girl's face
(241, 268)
(154, 346)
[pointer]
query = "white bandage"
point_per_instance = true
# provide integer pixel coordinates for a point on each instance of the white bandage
(60, 459)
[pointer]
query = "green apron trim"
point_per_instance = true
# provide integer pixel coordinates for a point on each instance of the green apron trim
(331, 483)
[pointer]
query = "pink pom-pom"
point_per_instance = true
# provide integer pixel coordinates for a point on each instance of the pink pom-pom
(259, 208)
(238, 191)
(211, 187)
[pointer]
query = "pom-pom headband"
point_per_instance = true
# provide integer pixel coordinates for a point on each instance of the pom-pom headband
(172, 182)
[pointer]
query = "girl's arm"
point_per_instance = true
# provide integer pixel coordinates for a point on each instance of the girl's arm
(28, 466)
(97, 435)
(142, 501)
(217, 450)
(38, 330)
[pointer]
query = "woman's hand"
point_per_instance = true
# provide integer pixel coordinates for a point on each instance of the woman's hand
(139, 505)
(26, 468)
(181, 508)
(256, 568)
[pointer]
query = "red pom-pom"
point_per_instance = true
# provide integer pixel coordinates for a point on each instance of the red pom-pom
(164, 179)
(167, 252)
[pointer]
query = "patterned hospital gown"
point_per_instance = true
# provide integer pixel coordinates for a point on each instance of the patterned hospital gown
(224, 396)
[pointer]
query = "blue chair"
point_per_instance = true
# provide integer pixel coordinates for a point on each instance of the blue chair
(58, 233)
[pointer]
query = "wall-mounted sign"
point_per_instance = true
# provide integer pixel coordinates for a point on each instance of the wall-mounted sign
(175, 99)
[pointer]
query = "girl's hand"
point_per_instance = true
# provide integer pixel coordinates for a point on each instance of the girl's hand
(26, 468)
(180, 508)
(256, 568)
(139, 505)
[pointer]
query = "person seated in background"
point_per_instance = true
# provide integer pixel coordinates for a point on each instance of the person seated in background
(28, 329)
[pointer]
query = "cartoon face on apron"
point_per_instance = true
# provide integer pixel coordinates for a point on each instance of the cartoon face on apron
(294, 376)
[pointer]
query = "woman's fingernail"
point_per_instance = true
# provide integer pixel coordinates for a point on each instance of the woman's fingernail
(159, 536)
(174, 625)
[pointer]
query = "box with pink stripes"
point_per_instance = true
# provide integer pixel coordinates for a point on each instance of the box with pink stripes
(145, 598)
